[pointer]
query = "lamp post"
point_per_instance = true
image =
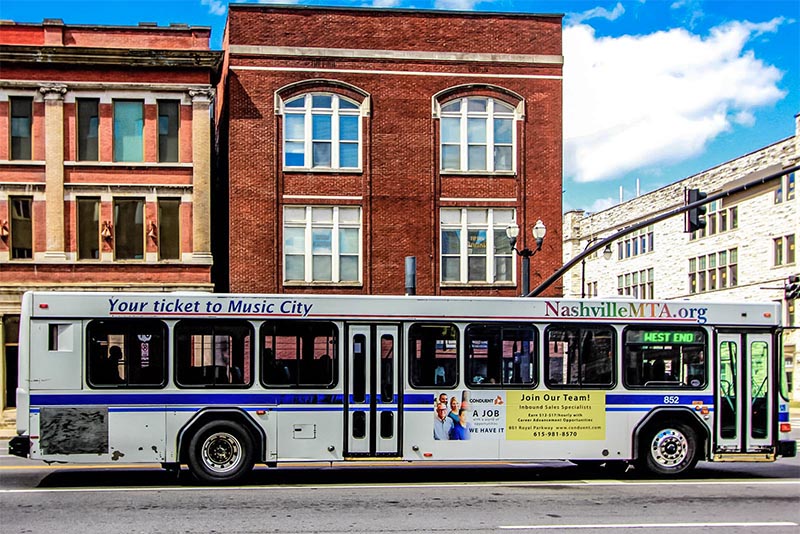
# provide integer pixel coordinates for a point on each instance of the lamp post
(606, 255)
(539, 232)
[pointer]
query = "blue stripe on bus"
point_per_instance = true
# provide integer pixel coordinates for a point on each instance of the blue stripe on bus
(196, 399)
(658, 399)
(275, 399)
(312, 408)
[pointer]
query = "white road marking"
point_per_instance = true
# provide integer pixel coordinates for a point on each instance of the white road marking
(652, 525)
(338, 487)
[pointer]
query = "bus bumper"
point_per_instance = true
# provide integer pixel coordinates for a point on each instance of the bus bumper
(787, 449)
(19, 446)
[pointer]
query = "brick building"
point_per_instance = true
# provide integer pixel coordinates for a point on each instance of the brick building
(746, 252)
(105, 162)
(353, 138)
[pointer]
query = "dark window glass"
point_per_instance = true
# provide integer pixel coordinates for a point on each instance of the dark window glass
(433, 349)
(387, 425)
(665, 358)
(214, 353)
(298, 354)
(580, 356)
(359, 351)
(129, 229)
(169, 230)
(359, 425)
(501, 354)
(168, 125)
(88, 126)
(21, 123)
(387, 368)
(88, 228)
(21, 228)
(127, 352)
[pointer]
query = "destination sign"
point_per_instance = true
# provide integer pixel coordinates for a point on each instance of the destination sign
(684, 337)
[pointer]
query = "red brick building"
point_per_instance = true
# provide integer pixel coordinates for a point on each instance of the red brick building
(353, 138)
(105, 162)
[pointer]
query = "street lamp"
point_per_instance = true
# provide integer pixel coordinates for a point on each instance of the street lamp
(539, 232)
(606, 255)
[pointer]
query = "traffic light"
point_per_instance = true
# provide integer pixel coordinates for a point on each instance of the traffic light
(694, 219)
(791, 290)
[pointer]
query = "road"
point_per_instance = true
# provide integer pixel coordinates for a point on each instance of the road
(551, 497)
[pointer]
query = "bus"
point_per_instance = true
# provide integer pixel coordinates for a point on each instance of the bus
(221, 382)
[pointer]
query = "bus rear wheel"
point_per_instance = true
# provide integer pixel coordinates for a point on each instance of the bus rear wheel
(221, 452)
(669, 449)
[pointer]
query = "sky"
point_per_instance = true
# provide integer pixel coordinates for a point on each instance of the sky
(654, 90)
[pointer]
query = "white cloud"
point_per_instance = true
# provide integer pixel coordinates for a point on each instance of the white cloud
(385, 3)
(460, 5)
(596, 13)
(215, 7)
(633, 102)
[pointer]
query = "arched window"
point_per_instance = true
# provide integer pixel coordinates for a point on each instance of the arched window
(477, 134)
(321, 131)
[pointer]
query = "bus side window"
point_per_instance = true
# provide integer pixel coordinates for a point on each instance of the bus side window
(664, 358)
(126, 352)
(214, 353)
(298, 354)
(433, 350)
(580, 356)
(501, 353)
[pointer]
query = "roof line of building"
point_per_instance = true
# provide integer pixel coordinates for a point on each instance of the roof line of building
(436, 12)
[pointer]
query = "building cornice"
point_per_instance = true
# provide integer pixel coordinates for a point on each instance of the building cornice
(123, 57)
(394, 55)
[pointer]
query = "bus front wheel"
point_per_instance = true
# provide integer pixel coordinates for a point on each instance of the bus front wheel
(669, 449)
(221, 452)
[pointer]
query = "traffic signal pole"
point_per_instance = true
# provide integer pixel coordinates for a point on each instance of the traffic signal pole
(756, 178)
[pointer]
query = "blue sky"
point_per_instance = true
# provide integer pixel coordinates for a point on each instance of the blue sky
(654, 90)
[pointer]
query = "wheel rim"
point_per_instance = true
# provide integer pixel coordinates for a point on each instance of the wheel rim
(669, 448)
(221, 452)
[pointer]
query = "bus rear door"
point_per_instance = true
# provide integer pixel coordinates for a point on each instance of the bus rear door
(371, 403)
(745, 405)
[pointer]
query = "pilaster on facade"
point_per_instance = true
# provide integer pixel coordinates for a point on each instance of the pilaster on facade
(201, 174)
(54, 169)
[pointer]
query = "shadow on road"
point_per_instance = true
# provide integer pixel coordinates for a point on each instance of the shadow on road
(404, 474)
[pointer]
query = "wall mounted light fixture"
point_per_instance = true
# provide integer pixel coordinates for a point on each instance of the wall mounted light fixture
(105, 233)
(4, 230)
(152, 232)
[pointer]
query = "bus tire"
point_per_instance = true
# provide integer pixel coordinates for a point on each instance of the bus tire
(669, 448)
(221, 452)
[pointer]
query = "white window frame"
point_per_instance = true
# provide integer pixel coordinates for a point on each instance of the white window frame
(463, 226)
(495, 109)
(308, 225)
(308, 112)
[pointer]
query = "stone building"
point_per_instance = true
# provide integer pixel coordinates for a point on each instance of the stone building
(400, 133)
(746, 252)
(105, 163)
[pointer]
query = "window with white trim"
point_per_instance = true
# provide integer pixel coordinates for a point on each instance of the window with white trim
(783, 250)
(718, 270)
(321, 131)
(474, 245)
(477, 134)
(322, 244)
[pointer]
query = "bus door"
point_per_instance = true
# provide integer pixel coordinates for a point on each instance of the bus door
(371, 403)
(745, 406)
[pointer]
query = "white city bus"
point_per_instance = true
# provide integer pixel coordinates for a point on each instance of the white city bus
(221, 382)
